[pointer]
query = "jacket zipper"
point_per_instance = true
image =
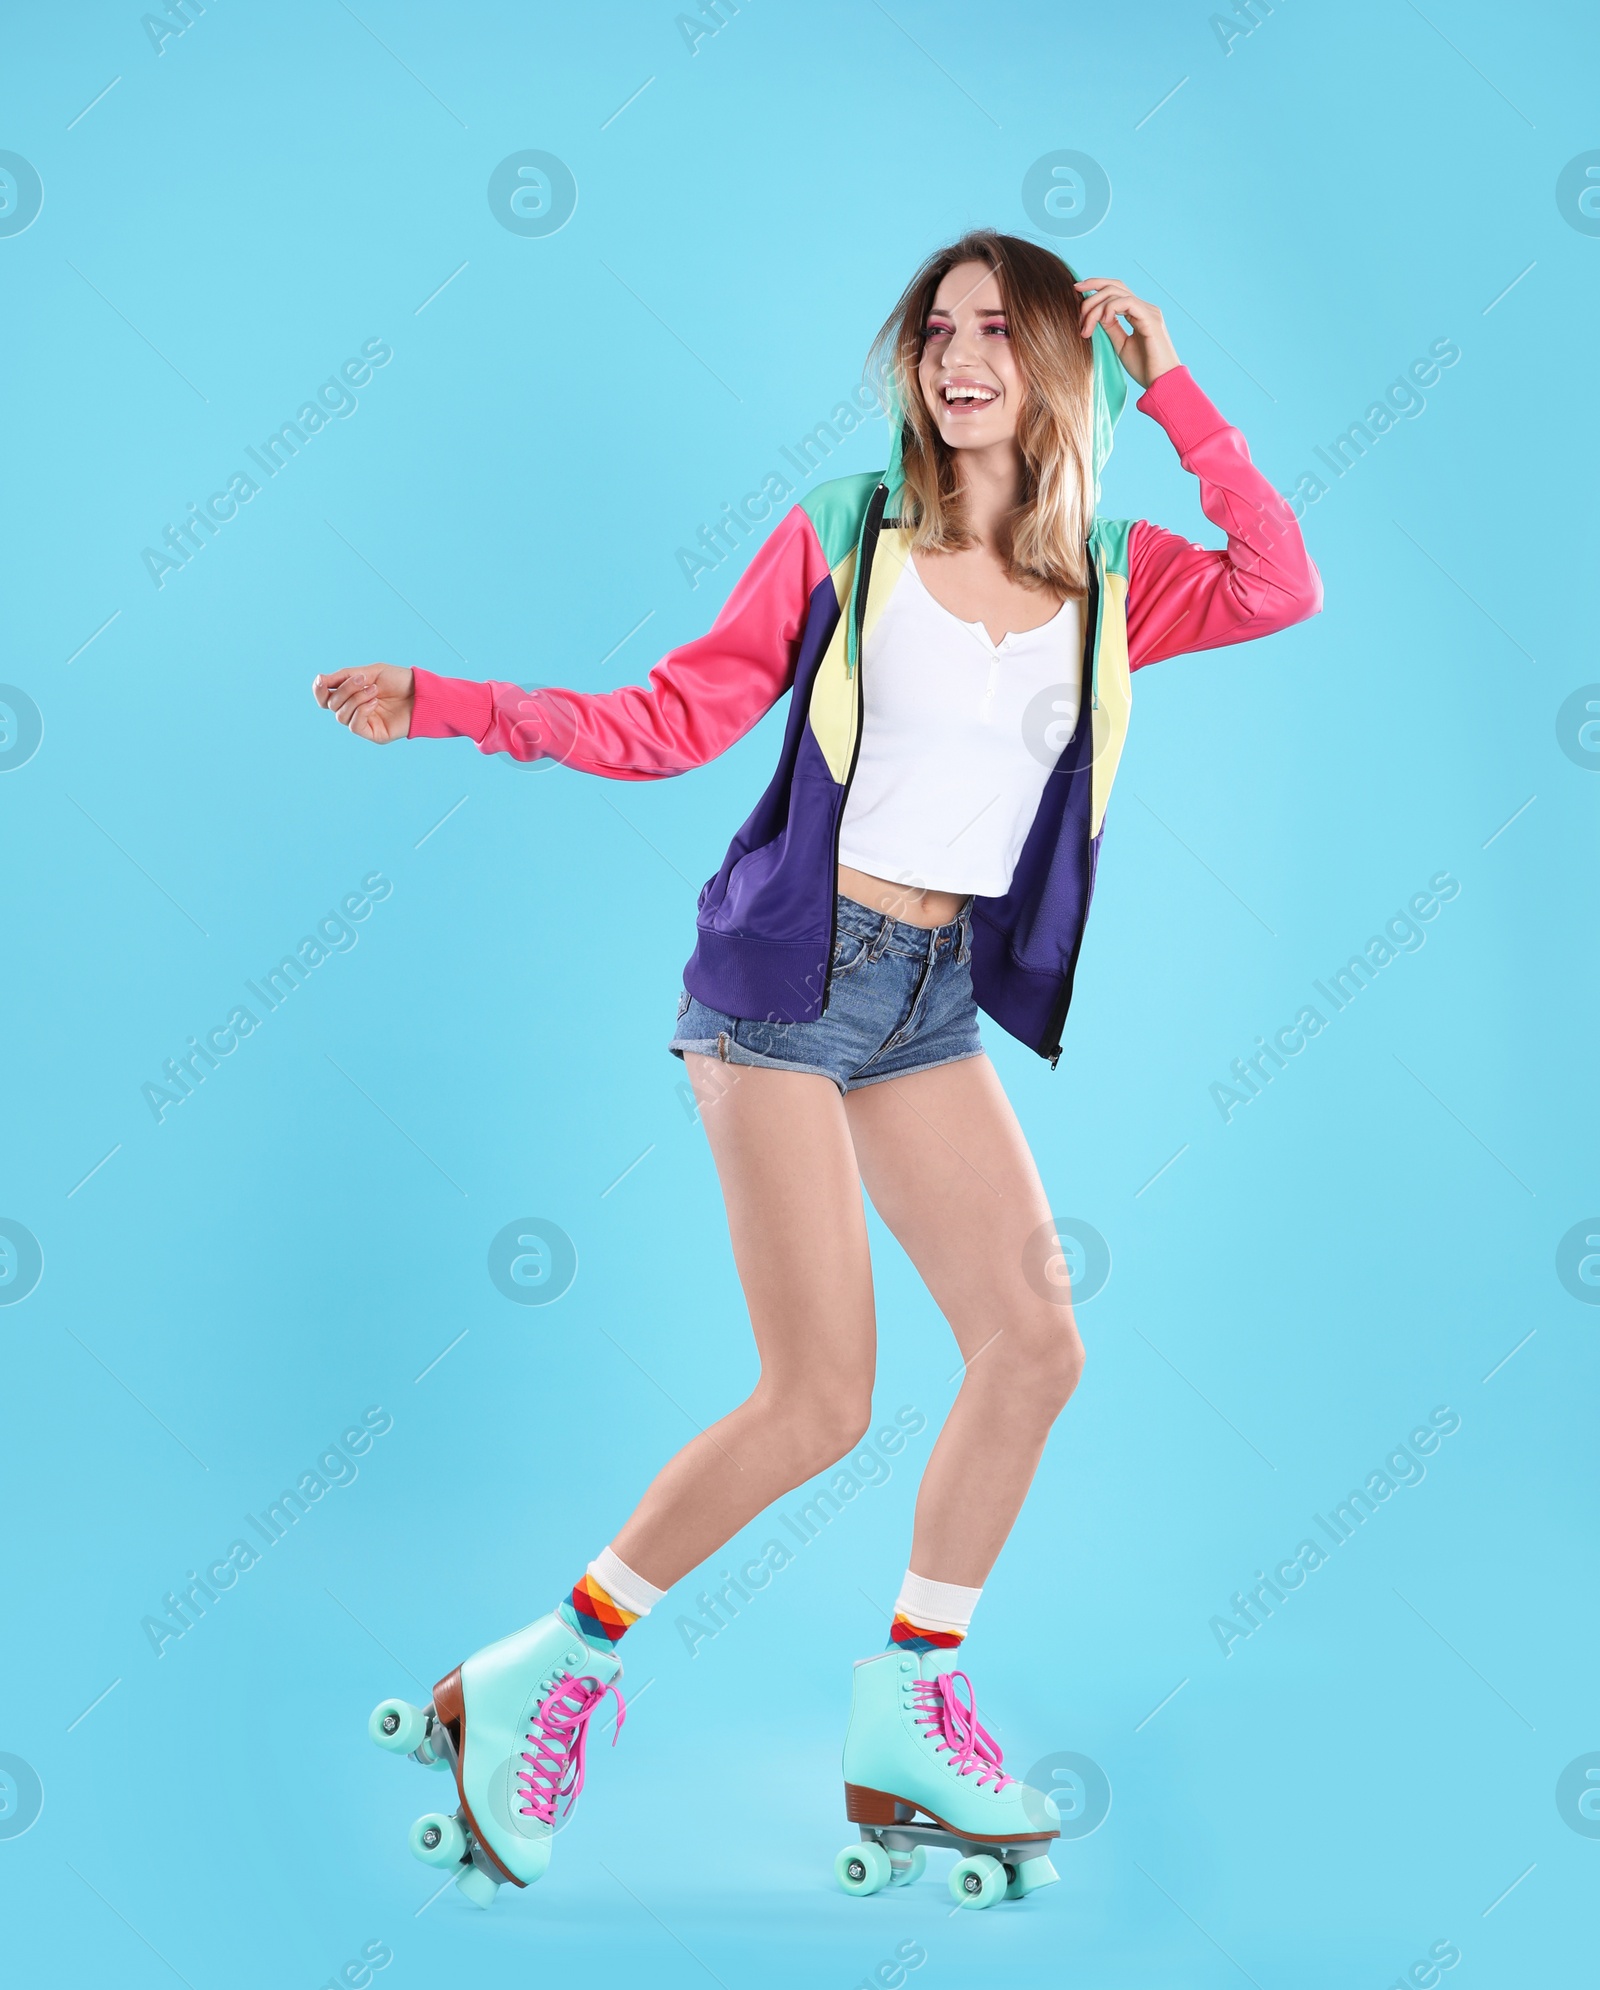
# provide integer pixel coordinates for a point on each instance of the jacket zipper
(1051, 1047)
(858, 609)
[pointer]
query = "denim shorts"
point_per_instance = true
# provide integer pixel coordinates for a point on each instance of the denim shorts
(900, 1000)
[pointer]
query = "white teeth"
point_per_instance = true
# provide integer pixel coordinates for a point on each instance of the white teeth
(970, 394)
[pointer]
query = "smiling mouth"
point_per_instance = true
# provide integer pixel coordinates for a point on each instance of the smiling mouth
(965, 397)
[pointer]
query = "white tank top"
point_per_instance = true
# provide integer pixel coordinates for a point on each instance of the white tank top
(959, 737)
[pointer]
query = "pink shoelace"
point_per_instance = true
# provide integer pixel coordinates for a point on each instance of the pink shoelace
(973, 1750)
(558, 1737)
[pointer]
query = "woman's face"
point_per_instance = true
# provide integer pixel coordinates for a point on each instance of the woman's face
(968, 372)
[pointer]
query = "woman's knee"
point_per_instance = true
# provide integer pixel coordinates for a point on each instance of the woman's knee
(1067, 1362)
(833, 1429)
(813, 1429)
(1044, 1363)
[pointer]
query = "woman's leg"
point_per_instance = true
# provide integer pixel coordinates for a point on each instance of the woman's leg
(789, 1179)
(949, 1171)
(788, 1171)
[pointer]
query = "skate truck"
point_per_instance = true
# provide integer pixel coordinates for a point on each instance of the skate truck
(894, 1852)
(438, 1838)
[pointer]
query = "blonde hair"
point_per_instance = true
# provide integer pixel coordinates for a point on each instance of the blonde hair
(1044, 538)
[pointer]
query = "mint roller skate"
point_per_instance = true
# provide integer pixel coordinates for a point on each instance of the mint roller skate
(512, 1723)
(915, 1744)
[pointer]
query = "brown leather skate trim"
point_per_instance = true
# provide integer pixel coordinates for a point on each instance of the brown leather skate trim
(864, 1806)
(447, 1705)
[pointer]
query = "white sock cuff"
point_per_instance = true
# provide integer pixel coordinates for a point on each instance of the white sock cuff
(935, 1606)
(622, 1585)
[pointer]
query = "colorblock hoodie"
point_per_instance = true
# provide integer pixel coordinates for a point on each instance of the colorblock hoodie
(798, 620)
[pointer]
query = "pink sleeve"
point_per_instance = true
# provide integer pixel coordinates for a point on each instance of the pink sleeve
(1185, 597)
(701, 696)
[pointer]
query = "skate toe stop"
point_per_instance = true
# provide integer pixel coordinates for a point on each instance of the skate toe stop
(477, 1887)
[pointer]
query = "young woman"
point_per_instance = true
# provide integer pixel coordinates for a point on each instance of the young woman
(958, 635)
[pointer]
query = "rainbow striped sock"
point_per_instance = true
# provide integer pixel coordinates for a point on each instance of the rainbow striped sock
(595, 1614)
(912, 1637)
(606, 1599)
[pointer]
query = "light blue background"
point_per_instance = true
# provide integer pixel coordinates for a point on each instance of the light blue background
(1375, 1766)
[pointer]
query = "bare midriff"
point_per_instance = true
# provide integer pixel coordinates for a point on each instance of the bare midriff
(912, 903)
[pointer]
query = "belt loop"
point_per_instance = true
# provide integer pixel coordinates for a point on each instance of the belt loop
(964, 951)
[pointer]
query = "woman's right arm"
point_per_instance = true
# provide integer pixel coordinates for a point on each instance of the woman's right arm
(701, 697)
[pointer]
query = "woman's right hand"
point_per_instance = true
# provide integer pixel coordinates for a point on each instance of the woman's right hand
(373, 700)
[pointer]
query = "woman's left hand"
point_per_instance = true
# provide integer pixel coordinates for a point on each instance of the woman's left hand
(1146, 350)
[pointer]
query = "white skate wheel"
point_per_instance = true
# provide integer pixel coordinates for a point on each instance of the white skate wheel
(438, 1840)
(978, 1881)
(863, 1868)
(397, 1725)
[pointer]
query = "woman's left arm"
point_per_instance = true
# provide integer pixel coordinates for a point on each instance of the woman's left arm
(1181, 596)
